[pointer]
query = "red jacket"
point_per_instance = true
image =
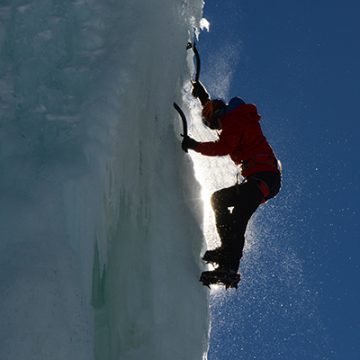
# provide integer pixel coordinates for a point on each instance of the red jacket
(241, 137)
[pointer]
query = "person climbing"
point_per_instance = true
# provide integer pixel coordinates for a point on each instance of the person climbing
(239, 136)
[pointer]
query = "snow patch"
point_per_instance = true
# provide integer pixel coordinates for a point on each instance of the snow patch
(204, 24)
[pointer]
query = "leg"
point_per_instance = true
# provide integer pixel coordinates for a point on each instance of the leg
(231, 227)
(245, 198)
(221, 201)
(248, 199)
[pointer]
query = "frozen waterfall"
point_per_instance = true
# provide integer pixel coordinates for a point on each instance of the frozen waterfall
(100, 217)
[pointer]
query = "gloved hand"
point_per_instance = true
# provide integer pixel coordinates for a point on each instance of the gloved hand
(200, 92)
(188, 143)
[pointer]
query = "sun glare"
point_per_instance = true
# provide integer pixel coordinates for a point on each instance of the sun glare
(212, 174)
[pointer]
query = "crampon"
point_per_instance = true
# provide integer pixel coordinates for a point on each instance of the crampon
(229, 279)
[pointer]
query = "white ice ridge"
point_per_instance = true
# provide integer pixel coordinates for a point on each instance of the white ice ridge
(99, 210)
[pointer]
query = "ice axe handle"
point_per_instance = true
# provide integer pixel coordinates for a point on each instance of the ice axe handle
(197, 58)
(183, 118)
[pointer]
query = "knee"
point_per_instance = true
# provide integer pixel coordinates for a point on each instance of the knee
(216, 199)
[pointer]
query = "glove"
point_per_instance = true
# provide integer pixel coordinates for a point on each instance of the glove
(188, 143)
(200, 92)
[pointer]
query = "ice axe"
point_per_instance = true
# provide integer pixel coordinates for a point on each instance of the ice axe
(183, 118)
(192, 46)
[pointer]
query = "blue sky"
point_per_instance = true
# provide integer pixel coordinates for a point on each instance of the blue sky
(299, 63)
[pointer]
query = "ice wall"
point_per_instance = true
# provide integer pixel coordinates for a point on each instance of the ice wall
(99, 210)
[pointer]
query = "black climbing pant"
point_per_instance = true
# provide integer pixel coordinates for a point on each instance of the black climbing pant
(233, 208)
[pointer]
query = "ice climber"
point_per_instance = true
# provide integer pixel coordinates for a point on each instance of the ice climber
(239, 136)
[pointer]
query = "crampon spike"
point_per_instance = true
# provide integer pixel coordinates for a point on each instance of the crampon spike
(220, 277)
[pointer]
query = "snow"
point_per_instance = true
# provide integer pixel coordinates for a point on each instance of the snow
(100, 214)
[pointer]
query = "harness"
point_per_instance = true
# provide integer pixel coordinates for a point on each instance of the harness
(263, 159)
